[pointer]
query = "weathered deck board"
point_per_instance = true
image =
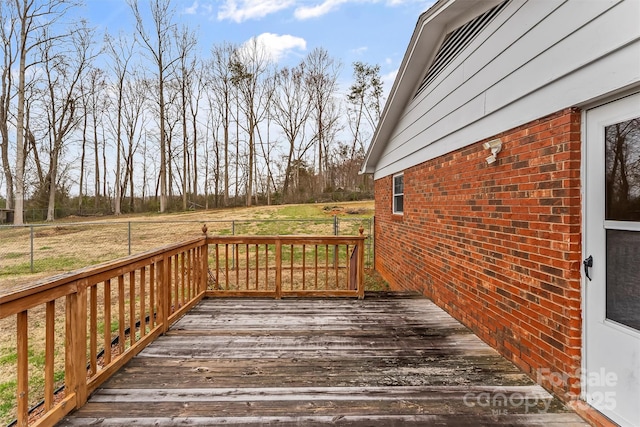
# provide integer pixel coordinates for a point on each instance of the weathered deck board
(382, 362)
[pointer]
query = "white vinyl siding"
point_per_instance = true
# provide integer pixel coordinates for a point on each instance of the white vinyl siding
(398, 194)
(533, 59)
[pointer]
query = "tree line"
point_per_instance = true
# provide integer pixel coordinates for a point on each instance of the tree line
(144, 121)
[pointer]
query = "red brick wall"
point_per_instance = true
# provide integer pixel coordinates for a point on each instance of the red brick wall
(498, 246)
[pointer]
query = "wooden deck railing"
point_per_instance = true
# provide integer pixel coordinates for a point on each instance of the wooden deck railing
(101, 316)
(281, 266)
(90, 322)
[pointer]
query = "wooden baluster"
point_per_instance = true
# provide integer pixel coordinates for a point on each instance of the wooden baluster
(183, 275)
(326, 267)
(23, 368)
(217, 276)
(257, 271)
(246, 260)
(236, 265)
(152, 296)
(93, 330)
(291, 255)
(190, 274)
(315, 255)
(187, 288)
(121, 319)
(107, 322)
(346, 263)
(266, 267)
(278, 269)
(226, 266)
(49, 354)
(304, 250)
(143, 311)
(132, 307)
(176, 283)
(336, 264)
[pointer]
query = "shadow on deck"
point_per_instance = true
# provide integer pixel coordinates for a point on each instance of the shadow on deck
(374, 362)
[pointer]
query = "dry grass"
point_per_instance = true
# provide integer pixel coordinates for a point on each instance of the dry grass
(73, 244)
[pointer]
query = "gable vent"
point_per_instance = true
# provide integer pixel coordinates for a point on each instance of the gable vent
(456, 41)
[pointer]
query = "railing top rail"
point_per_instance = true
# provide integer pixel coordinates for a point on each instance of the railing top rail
(286, 239)
(86, 272)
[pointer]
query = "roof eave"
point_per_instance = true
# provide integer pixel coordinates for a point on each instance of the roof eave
(432, 26)
(399, 95)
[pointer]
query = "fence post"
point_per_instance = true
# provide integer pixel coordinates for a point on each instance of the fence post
(31, 227)
(129, 237)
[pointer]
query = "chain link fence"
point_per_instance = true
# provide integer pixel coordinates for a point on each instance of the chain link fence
(39, 250)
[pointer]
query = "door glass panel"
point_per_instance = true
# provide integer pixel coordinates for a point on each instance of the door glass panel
(622, 142)
(623, 170)
(623, 277)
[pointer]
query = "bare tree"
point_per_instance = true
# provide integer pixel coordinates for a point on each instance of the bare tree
(63, 73)
(120, 51)
(8, 24)
(291, 107)
(322, 79)
(134, 96)
(158, 42)
(623, 169)
(249, 72)
(197, 90)
(94, 101)
(220, 82)
(186, 42)
(34, 19)
(364, 102)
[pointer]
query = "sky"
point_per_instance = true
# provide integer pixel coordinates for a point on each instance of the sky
(371, 31)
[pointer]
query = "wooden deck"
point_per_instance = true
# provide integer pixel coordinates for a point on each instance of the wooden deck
(311, 362)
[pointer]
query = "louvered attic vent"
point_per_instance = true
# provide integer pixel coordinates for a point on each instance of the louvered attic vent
(456, 41)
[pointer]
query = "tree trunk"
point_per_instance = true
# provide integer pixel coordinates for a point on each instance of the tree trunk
(82, 156)
(96, 150)
(19, 194)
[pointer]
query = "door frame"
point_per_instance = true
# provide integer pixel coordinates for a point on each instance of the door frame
(598, 102)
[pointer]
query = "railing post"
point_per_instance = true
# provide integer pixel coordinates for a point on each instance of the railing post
(278, 268)
(76, 344)
(204, 255)
(163, 293)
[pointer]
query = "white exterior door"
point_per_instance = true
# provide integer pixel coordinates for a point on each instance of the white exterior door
(611, 377)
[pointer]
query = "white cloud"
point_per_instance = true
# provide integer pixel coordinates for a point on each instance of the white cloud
(278, 46)
(191, 10)
(359, 50)
(388, 79)
(242, 10)
(305, 12)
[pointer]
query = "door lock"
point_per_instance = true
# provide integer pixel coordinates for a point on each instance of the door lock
(588, 263)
